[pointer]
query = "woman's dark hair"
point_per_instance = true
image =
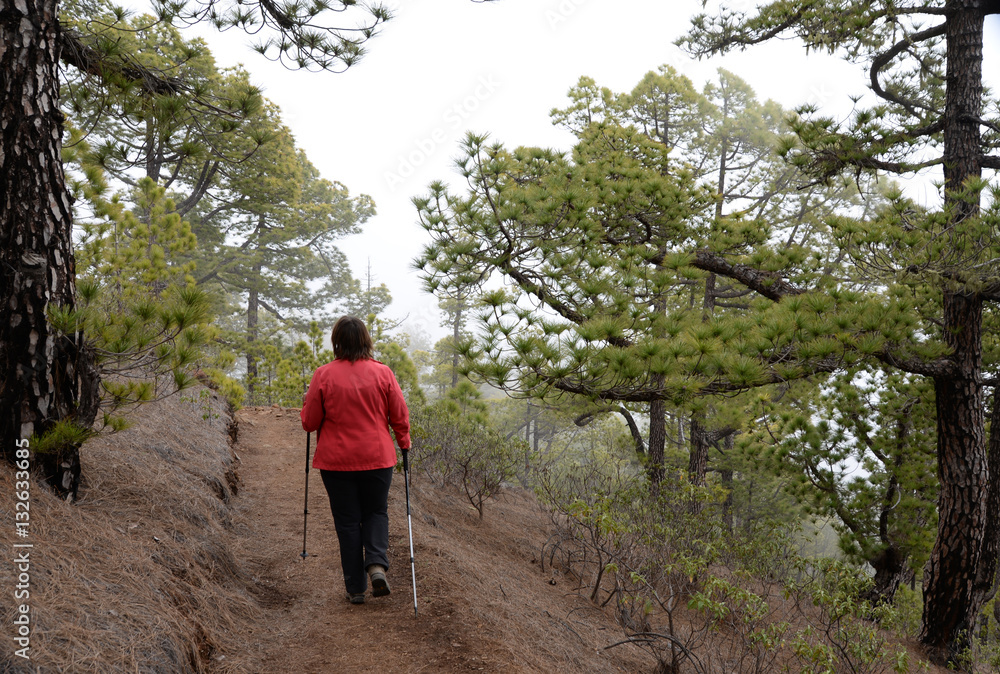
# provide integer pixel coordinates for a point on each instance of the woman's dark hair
(351, 340)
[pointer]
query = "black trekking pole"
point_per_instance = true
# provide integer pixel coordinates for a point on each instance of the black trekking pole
(409, 524)
(305, 509)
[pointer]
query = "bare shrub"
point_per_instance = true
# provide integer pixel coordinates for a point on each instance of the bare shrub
(464, 451)
(701, 597)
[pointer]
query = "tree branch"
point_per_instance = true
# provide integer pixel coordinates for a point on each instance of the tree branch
(767, 284)
(88, 60)
(205, 178)
(942, 367)
(264, 305)
(883, 59)
(587, 417)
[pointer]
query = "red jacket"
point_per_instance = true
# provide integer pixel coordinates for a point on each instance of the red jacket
(352, 406)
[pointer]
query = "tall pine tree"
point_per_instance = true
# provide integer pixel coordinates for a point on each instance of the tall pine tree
(925, 62)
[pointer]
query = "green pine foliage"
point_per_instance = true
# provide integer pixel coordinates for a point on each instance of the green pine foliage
(659, 263)
(143, 316)
(860, 452)
(614, 258)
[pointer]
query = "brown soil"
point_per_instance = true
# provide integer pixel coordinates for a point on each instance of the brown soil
(484, 603)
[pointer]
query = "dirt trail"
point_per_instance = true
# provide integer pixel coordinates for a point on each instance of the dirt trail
(484, 603)
(315, 629)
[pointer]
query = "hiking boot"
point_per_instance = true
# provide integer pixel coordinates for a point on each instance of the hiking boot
(356, 597)
(380, 586)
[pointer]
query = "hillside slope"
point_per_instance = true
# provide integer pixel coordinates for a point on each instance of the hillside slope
(183, 555)
(483, 602)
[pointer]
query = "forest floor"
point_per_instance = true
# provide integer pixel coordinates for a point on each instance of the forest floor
(483, 601)
(183, 556)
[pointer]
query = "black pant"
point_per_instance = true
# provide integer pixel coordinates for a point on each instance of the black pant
(359, 502)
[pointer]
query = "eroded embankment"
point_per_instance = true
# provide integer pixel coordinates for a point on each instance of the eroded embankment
(138, 575)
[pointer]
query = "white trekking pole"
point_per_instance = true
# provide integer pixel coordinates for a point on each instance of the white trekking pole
(409, 524)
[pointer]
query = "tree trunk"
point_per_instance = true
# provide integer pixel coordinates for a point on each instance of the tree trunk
(455, 336)
(889, 566)
(890, 563)
(952, 597)
(987, 580)
(951, 600)
(45, 376)
(253, 314)
(698, 459)
(657, 442)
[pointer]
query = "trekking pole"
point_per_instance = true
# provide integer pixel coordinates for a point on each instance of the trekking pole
(409, 524)
(305, 509)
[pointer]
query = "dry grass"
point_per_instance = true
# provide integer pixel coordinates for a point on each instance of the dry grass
(539, 617)
(137, 576)
(159, 569)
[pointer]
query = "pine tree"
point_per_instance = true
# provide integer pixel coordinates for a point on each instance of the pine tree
(140, 309)
(602, 241)
(925, 63)
(860, 449)
(47, 377)
(270, 231)
(181, 134)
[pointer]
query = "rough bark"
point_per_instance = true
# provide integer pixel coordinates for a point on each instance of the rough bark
(952, 597)
(657, 442)
(987, 580)
(45, 376)
(698, 457)
(951, 602)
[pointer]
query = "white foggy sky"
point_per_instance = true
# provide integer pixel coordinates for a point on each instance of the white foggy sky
(392, 123)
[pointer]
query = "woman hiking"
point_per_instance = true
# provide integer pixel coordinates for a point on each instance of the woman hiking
(351, 403)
